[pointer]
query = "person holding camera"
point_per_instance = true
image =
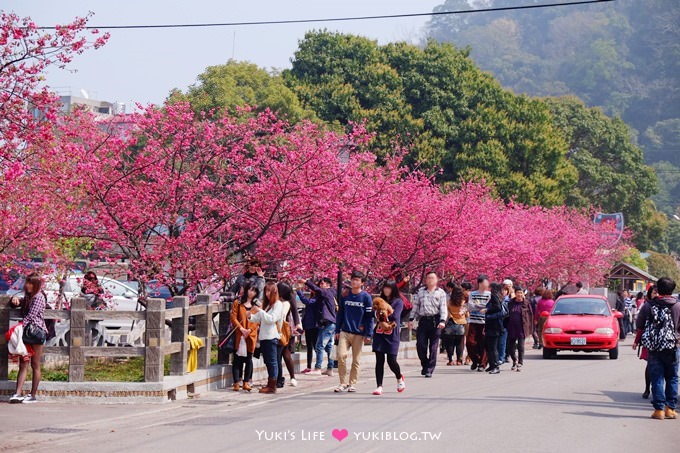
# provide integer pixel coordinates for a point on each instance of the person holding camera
(246, 337)
(35, 333)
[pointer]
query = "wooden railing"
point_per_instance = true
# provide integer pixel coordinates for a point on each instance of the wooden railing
(155, 346)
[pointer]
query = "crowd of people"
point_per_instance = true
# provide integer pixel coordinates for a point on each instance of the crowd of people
(483, 328)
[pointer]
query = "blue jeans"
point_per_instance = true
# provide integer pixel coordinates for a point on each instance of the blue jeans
(502, 343)
(325, 342)
(663, 366)
(270, 357)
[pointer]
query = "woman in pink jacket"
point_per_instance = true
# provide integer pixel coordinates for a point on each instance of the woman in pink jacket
(546, 303)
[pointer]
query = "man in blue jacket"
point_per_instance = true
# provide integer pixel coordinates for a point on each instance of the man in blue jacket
(354, 323)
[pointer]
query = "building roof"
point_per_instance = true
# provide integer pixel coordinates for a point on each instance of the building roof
(626, 271)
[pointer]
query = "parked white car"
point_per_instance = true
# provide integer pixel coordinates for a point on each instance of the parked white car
(117, 295)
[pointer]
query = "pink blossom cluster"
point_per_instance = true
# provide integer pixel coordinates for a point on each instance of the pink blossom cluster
(191, 196)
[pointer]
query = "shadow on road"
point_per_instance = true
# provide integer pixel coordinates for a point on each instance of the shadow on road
(599, 415)
(572, 356)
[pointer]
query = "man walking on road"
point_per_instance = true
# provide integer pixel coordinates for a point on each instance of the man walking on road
(658, 329)
(429, 308)
(475, 339)
(354, 324)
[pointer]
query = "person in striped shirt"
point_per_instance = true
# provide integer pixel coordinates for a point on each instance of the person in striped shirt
(475, 338)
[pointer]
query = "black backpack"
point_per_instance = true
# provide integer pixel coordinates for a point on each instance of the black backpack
(659, 330)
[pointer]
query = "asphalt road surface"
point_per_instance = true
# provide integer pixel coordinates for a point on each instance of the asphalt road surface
(578, 403)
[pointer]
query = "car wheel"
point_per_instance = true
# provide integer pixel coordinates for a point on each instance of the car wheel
(549, 353)
(614, 353)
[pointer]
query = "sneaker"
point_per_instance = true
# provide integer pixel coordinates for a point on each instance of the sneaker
(351, 389)
(401, 384)
(315, 372)
(495, 371)
(480, 369)
(30, 399)
(519, 367)
(645, 395)
(340, 388)
(514, 367)
(378, 391)
(423, 372)
(16, 399)
(449, 363)
(306, 371)
(473, 367)
(293, 382)
(328, 372)
(428, 375)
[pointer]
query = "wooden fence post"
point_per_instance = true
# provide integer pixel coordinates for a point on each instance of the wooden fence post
(76, 364)
(204, 330)
(222, 326)
(180, 326)
(4, 327)
(154, 340)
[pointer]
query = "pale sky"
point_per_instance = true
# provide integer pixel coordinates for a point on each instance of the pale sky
(144, 65)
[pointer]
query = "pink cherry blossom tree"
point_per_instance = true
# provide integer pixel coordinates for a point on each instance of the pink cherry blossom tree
(29, 209)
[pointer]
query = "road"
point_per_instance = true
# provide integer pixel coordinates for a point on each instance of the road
(578, 403)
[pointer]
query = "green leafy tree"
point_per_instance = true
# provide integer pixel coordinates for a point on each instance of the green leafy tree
(435, 100)
(635, 258)
(612, 174)
(661, 265)
(235, 84)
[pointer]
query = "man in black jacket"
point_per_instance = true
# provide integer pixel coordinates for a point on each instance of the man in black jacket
(326, 315)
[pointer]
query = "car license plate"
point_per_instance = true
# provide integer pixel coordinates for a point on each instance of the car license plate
(578, 341)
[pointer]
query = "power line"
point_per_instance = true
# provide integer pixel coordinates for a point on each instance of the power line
(337, 19)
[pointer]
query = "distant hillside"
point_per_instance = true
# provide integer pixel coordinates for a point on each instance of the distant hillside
(623, 56)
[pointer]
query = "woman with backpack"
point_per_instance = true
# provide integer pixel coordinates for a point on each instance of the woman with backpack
(35, 332)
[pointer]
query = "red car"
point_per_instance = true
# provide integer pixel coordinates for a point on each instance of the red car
(581, 323)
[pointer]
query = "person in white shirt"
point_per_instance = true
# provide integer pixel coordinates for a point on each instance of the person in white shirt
(270, 319)
(430, 309)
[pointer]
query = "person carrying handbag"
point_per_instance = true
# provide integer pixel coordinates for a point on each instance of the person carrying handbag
(35, 334)
(453, 334)
(245, 338)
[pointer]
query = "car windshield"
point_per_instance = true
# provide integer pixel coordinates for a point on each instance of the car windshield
(581, 306)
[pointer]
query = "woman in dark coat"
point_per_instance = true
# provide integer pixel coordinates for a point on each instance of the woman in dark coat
(386, 344)
(493, 326)
(520, 327)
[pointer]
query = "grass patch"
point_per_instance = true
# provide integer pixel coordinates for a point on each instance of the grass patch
(100, 370)
(107, 370)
